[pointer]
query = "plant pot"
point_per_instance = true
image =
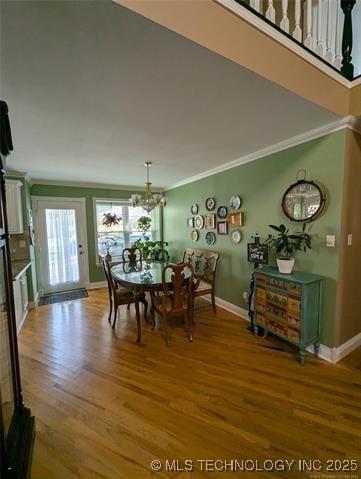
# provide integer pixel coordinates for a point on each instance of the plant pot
(285, 265)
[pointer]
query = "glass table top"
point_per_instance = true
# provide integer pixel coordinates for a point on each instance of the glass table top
(143, 273)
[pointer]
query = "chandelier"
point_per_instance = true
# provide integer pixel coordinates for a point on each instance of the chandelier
(150, 200)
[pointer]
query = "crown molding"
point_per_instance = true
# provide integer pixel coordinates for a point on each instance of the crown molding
(351, 122)
(103, 186)
(19, 174)
(281, 38)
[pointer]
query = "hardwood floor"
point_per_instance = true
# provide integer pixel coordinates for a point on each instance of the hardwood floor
(106, 407)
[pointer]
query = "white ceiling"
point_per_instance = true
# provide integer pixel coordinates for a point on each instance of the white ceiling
(94, 90)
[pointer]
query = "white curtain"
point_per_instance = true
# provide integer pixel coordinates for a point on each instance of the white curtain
(62, 246)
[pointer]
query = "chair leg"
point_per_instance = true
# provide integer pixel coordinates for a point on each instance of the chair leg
(145, 304)
(115, 314)
(152, 314)
(110, 309)
(213, 301)
(139, 328)
(167, 337)
(188, 315)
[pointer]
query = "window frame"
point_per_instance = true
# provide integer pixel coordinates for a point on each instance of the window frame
(123, 202)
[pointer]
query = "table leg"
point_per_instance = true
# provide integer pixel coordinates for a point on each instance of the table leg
(137, 313)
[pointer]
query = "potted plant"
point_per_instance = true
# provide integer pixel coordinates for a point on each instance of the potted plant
(286, 245)
(111, 219)
(151, 250)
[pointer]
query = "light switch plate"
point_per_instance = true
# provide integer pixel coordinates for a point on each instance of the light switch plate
(330, 241)
(349, 240)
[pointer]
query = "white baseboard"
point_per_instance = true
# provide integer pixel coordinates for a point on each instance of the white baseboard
(332, 355)
(33, 304)
(98, 285)
(346, 348)
(232, 308)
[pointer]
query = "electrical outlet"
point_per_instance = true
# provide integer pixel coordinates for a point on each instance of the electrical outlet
(330, 241)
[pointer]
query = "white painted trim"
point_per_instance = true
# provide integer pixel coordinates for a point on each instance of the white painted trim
(83, 227)
(331, 355)
(350, 122)
(33, 304)
(356, 82)
(324, 352)
(346, 348)
(102, 186)
(98, 285)
(279, 37)
(22, 322)
(232, 308)
(58, 199)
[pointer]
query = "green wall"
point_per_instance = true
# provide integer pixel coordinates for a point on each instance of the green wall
(95, 271)
(261, 185)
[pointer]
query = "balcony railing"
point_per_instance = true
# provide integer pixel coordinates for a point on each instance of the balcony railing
(323, 27)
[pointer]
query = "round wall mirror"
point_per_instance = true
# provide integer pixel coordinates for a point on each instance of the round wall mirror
(303, 201)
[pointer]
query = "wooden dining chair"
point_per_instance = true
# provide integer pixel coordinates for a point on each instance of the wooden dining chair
(119, 295)
(131, 255)
(205, 268)
(176, 299)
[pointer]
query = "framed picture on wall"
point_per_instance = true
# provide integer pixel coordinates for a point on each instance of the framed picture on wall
(235, 219)
(210, 221)
(222, 227)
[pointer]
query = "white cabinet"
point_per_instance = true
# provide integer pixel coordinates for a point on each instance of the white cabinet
(20, 287)
(14, 206)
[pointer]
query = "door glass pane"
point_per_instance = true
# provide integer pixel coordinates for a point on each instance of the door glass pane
(62, 245)
(6, 384)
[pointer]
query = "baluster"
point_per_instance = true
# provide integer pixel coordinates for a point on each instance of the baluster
(309, 40)
(271, 12)
(297, 32)
(347, 66)
(328, 54)
(337, 60)
(256, 5)
(285, 23)
(319, 46)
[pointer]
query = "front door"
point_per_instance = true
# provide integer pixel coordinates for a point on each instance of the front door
(60, 243)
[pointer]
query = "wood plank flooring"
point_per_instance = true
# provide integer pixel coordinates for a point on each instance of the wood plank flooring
(106, 407)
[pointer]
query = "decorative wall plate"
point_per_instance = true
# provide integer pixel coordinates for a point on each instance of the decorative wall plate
(190, 222)
(195, 235)
(210, 204)
(199, 222)
(210, 238)
(222, 227)
(235, 202)
(210, 221)
(194, 209)
(222, 212)
(236, 236)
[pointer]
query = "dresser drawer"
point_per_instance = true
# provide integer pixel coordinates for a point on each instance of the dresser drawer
(294, 307)
(293, 335)
(261, 295)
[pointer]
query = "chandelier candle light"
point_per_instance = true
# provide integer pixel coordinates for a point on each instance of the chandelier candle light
(150, 200)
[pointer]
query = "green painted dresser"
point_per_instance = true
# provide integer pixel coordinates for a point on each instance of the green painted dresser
(289, 306)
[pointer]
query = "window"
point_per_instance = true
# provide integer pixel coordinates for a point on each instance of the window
(125, 233)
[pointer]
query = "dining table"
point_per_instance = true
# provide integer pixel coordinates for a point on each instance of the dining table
(142, 277)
